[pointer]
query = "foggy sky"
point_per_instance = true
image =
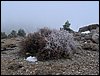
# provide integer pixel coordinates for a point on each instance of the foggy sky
(32, 15)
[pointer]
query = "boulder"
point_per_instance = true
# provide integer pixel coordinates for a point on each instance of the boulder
(83, 29)
(93, 31)
(93, 26)
(95, 38)
(88, 28)
(97, 30)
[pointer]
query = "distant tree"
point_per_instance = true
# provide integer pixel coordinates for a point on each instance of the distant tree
(12, 34)
(66, 27)
(3, 35)
(21, 32)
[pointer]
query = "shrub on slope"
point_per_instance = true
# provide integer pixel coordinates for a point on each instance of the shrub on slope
(49, 44)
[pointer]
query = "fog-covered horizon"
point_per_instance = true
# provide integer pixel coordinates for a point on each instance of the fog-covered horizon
(32, 15)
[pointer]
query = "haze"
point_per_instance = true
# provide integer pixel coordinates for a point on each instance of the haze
(32, 15)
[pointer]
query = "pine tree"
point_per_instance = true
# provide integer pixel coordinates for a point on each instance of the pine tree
(21, 32)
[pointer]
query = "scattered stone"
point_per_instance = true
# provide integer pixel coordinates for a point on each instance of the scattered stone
(90, 46)
(87, 37)
(3, 49)
(12, 45)
(15, 66)
(3, 52)
(57, 73)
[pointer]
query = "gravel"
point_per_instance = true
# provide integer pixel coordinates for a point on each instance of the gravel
(86, 63)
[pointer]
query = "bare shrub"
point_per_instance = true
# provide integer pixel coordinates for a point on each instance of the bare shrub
(49, 44)
(32, 44)
(60, 44)
(45, 31)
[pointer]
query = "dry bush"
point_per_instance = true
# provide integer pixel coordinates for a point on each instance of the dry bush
(45, 31)
(60, 44)
(32, 44)
(49, 44)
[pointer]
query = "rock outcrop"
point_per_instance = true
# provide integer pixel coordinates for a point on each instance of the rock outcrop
(88, 41)
(88, 28)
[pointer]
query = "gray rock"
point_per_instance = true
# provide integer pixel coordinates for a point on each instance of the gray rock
(82, 35)
(77, 33)
(88, 28)
(95, 38)
(82, 38)
(97, 30)
(95, 47)
(93, 26)
(86, 46)
(93, 31)
(15, 66)
(90, 46)
(78, 38)
(83, 29)
(89, 41)
(3, 48)
(88, 37)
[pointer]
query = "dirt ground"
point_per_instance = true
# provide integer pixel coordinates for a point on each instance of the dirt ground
(84, 63)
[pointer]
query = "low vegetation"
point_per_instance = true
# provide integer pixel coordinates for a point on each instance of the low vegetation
(21, 32)
(3, 35)
(13, 34)
(48, 44)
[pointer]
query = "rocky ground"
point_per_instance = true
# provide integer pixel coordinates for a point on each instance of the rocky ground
(83, 63)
